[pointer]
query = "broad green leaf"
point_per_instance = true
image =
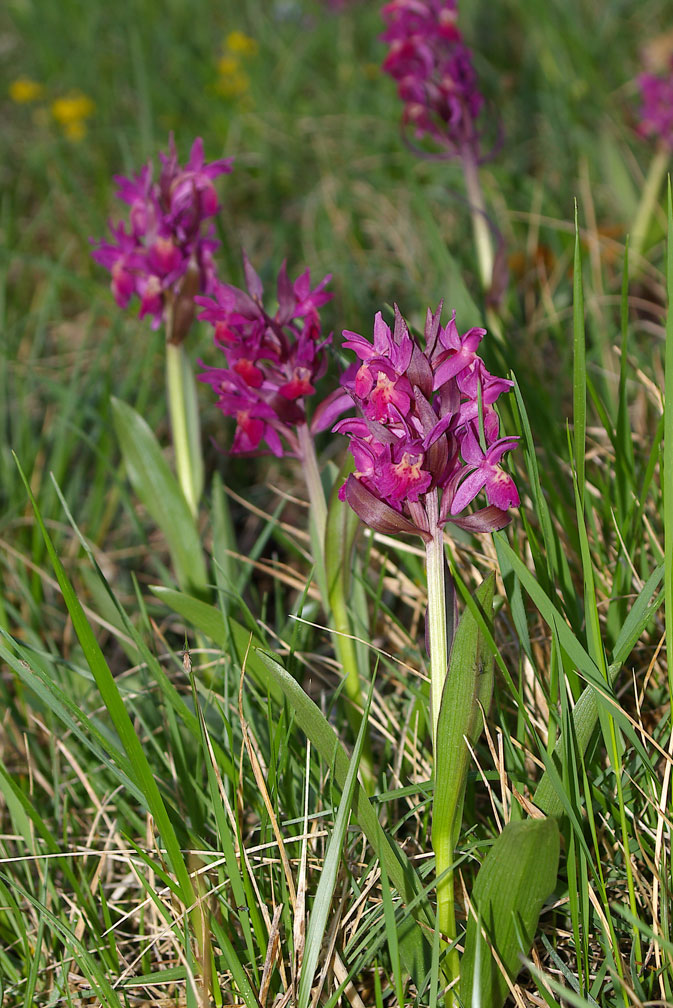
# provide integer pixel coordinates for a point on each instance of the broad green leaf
(469, 684)
(160, 493)
(516, 877)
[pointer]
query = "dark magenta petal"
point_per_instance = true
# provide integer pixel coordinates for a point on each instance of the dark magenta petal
(376, 514)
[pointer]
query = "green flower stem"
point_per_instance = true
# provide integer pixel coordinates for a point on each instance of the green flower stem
(443, 841)
(335, 603)
(480, 228)
(437, 636)
(182, 405)
(646, 207)
(316, 494)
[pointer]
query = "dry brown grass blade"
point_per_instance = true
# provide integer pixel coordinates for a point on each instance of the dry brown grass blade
(271, 954)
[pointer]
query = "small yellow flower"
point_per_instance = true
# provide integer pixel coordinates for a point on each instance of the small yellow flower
(241, 44)
(71, 112)
(23, 89)
(233, 87)
(232, 81)
(228, 66)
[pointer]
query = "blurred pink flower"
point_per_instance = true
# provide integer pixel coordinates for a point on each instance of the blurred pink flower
(434, 73)
(166, 255)
(656, 113)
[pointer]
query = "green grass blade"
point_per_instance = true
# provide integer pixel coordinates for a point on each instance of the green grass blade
(105, 681)
(330, 870)
(668, 449)
(579, 364)
(310, 719)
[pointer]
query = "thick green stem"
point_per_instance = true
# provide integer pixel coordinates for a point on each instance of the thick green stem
(437, 636)
(437, 641)
(185, 425)
(316, 494)
(480, 228)
(646, 207)
(335, 602)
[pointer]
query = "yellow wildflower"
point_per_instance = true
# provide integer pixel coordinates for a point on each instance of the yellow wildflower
(23, 89)
(241, 44)
(232, 82)
(71, 112)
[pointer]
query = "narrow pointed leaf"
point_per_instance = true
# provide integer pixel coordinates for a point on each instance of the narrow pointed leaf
(159, 491)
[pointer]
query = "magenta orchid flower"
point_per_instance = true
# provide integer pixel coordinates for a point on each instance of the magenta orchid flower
(656, 114)
(166, 256)
(434, 73)
(427, 425)
(273, 361)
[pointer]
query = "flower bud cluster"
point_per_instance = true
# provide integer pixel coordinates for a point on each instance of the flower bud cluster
(427, 422)
(165, 256)
(434, 72)
(273, 361)
(656, 114)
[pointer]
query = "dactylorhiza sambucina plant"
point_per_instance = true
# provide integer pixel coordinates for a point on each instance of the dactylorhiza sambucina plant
(426, 444)
(163, 256)
(438, 85)
(274, 362)
(655, 123)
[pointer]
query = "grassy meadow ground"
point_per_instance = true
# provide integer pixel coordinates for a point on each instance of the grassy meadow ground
(88, 905)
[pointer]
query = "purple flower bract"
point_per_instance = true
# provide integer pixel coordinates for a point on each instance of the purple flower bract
(427, 422)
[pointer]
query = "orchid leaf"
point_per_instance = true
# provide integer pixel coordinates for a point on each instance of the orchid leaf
(516, 877)
(159, 491)
(467, 690)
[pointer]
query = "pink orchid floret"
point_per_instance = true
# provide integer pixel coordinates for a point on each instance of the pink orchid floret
(434, 428)
(435, 76)
(274, 360)
(656, 113)
(167, 254)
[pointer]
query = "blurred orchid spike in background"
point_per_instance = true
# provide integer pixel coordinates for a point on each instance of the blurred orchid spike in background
(165, 256)
(434, 73)
(427, 424)
(656, 112)
(442, 101)
(273, 361)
